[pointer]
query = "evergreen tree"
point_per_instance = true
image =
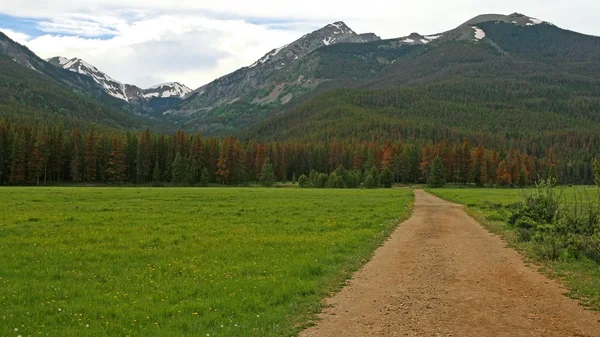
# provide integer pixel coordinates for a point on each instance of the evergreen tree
(321, 180)
(386, 178)
(19, 160)
(36, 162)
(303, 181)
(193, 171)
(91, 156)
(116, 167)
(335, 181)
(522, 179)
(375, 174)
(371, 159)
(597, 172)
(205, 178)
(437, 174)
(76, 156)
(180, 170)
(143, 162)
(156, 175)
(267, 175)
(370, 181)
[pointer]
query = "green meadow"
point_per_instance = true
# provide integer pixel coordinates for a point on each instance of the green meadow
(181, 261)
(493, 207)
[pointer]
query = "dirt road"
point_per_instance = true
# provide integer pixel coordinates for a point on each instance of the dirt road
(442, 274)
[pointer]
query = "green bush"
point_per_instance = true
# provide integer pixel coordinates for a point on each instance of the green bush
(557, 227)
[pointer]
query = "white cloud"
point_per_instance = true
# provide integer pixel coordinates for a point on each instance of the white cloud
(190, 49)
(16, 36)
(194, 42)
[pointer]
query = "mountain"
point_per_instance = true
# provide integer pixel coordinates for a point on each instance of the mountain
(513, 82)
(33, 90)
(491, 46)
(27, 95)
(257, 86)
(77, 82)
(154, 98)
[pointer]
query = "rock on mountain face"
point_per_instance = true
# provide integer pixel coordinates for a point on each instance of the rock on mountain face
(150, 98)
(243, 84)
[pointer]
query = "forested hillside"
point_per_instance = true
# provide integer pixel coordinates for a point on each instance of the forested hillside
(532, 54)
(29, 96)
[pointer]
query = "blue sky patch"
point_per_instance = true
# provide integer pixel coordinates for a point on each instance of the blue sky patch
(21, 25)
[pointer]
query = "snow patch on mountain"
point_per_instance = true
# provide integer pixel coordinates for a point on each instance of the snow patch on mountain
(479, 33)
(433, 37)
(165, 90)
(327, 41)
(536, 21)
(126, 92)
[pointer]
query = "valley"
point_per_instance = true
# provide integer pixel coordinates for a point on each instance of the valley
(344, 183)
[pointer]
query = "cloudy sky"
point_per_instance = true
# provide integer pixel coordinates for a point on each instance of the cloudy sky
(146, 42)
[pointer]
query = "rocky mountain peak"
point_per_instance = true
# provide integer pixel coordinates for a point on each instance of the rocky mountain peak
(126, 92)
(332, 33)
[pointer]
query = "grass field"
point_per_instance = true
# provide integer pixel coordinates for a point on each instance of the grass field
(488, 205)
(181, 262)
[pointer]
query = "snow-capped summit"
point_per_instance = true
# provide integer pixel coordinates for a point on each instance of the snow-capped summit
(126, 92)
(165, 90)
(77, 65)
(332, 33)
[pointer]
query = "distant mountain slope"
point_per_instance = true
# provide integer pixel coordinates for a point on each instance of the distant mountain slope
(257, 87)
(31, 96)
(489, 45)
(154, 98)
(516, 82)
(80, 83)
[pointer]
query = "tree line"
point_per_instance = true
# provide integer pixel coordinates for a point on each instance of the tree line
(48, 154)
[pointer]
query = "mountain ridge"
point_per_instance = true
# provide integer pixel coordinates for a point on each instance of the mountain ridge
(130, 93)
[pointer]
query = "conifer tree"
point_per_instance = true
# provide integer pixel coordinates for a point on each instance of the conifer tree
(156, 175)
(4, 151)
(370, 181)
(388, 155)
(19, 160)
(503, 177)
(205, 178)
(143, 162)
(35, 165)
(90, 156)
(386, 178)
(597, 172)
(375, 174)
(437, 174)
(267, 175)
(193, 171)
(303, 181)
(116, 167)
(76, 156)
(179, 169)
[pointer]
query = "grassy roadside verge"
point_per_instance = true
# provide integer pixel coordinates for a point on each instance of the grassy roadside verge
(489, 206)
